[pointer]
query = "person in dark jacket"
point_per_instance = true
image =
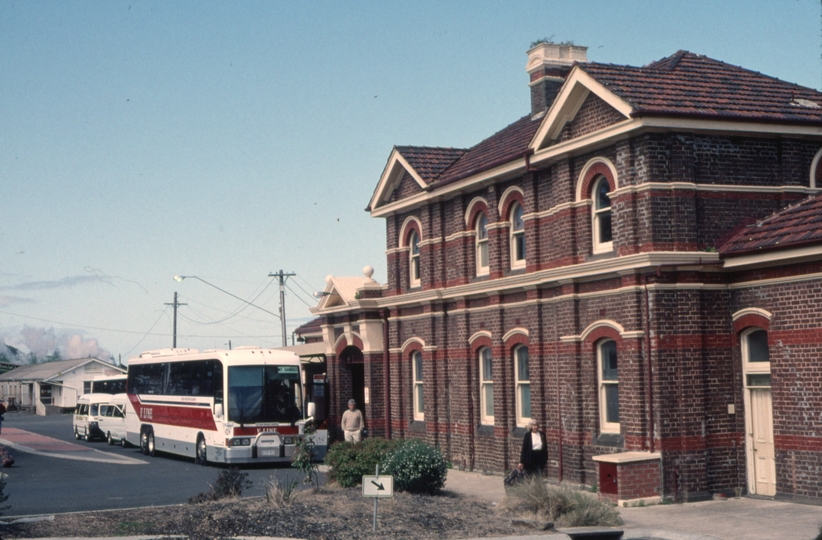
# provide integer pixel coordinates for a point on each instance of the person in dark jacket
(534, 453)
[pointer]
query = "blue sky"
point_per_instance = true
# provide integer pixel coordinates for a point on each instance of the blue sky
(141, 140)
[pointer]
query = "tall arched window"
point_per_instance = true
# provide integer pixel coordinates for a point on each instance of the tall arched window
(414, 259)
(517, 236)
(603, 236)
(608, 376)
(482, 245)
(419, 391)
(523, 385)
(486, 386)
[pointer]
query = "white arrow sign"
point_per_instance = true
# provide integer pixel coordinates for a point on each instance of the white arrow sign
(377, 486)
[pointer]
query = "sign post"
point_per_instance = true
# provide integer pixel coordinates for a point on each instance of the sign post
(377, 486)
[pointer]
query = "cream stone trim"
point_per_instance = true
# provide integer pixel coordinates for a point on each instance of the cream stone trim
(752, 311)
(591, 162)
(578, 86)
(814, 165)
(771, 257)
(392, 251)
(426, 316)
(392, 175)
(632, 334)
(411, 340)
(475, 201)
(562, 207)
(460, 234)
(404, 229)
(477, 335)
(430, 241)
(597, 139)
(501, 172)
(429, 348)
(499, 225)
(775, 281)
(599, 324)
(580, 271)
(515, 331)
(691, 186)
(506, 195)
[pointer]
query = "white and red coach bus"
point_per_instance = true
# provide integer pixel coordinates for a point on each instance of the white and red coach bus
(238, 406)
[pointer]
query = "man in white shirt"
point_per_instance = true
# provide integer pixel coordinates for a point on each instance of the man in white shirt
(353, 423)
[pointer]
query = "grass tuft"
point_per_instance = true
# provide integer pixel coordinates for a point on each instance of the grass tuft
(564, 507)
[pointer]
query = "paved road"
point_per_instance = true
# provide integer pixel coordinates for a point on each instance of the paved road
(53, 473)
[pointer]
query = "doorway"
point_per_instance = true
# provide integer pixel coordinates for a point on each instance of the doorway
(759, 441)
(355, 362)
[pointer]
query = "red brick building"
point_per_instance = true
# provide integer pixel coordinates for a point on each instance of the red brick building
(637, 264)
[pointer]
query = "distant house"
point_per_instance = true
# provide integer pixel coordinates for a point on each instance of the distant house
(53, 386)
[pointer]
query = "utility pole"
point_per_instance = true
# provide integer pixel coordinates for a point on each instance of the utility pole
(281, 276)
(175, 304)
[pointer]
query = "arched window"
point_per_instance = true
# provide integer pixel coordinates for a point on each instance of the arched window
(608, 386)
(603, 236)
(414, 259)
(486, 386)
(482, 245)
(523, 385)
(419, 392)
(517, 236)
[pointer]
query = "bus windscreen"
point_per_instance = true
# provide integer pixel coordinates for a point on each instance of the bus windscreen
(264, 394)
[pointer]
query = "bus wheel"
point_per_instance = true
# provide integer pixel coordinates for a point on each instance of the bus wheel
(109, 439)
(87, 437)
(76, 434)
(202, 454)
(123, 442)
(150, 444)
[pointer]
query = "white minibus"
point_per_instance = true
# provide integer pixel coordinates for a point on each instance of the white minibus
(86, 421)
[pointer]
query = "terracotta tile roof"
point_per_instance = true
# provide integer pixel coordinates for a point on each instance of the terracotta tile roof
(311, 327)
(796, 226)
(430, 162)
(687, 84)
(502, 147)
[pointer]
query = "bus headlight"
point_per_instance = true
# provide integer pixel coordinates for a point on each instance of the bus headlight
(288, 440)
(241, 441)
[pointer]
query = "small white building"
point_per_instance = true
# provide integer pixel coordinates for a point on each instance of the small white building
(53, 386)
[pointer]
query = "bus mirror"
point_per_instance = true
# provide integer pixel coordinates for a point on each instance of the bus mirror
(218, 410)
(311, 409)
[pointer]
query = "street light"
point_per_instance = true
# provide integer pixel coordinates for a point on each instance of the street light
(181, 278)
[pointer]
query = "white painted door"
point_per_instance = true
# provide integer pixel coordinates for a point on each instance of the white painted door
(764, 464)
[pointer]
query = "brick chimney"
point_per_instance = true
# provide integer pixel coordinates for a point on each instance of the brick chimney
(548, 65)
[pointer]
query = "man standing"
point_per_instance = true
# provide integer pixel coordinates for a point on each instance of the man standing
(353, 422)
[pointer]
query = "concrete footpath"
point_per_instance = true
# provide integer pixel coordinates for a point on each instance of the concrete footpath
(727, 519)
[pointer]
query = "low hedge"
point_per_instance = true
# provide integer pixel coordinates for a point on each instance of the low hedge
(349, 461)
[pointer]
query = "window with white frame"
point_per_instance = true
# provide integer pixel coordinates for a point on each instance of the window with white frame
(603, 235)
(517, 236)
(523, 385)
(486, 386)
(419, 392)
(482, 245)
(757, 358)
(608, 386)
(414, 259)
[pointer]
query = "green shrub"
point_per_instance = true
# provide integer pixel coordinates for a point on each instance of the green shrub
(564, 507)
(348, 461)
(416, 467)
